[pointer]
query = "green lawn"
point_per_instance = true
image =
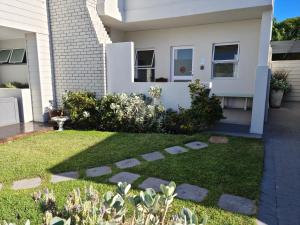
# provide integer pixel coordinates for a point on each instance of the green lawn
(234, 168)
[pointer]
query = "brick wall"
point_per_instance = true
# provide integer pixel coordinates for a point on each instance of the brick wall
(78, 39)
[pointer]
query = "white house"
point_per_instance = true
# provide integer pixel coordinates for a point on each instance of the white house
(110, 46)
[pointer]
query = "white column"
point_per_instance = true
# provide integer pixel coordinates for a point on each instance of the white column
(262, 75)
(40, 75)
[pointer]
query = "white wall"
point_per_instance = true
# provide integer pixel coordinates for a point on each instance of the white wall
(11, 72)
(31, 18)
(202, 39)
(293, 67)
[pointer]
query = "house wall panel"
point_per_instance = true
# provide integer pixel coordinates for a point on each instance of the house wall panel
(202, 38)
(293, 67)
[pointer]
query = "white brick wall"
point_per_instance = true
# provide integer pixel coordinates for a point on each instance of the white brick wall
(78, 39)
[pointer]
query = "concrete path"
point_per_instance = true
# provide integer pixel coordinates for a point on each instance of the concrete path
(280, 194)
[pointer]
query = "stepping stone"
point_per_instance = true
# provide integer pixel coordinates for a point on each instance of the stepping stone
(56, 178)
(153, 183)
(191, 192)
(127, 163)
(218, 140)
(27, 184)
(97, 172)
(196, 145)
(1, 186)
(176, 150)
(124, 177)
(153, 156)
(237, 204)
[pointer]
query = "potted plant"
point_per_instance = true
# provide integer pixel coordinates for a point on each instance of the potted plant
(279, 86)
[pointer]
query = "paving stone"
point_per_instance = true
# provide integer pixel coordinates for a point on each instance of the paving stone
(27, 183)
(237, 204)
(196, 145)
(154, 183)
(124, 177)
(176, 150)
(153, 156)
(128, 163)
(98, 171)
(1, 186)
(191, 192)
(56, 178)
(218, 140)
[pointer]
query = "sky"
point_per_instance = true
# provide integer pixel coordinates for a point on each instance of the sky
(286, 8)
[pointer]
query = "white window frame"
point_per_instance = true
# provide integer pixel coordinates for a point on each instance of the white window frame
(136, 67)
(8, 58)
(234, 61)
(181, 78)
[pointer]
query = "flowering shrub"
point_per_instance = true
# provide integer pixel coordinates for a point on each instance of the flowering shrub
(205, 110)
(131, 113)
(87, 208)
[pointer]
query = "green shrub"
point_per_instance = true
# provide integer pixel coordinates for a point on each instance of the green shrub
(279, 81)
(14, 85)
(82, 109)
(205, 111)
(130, 113)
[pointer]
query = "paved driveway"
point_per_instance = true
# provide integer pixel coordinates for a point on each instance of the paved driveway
(280, 197)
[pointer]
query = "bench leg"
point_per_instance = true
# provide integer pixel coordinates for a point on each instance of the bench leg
(246, 104)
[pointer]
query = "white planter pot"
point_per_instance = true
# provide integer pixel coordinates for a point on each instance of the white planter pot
(276, 98)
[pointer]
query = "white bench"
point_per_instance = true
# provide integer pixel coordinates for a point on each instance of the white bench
(224, 96)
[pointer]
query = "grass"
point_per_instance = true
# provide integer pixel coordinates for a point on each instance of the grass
(234, 168)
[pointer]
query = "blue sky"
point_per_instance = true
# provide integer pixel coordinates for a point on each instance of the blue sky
(286, 9)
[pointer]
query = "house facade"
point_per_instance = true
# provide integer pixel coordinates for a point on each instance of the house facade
(107, 46)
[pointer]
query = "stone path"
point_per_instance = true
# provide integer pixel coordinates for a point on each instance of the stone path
(99, 171)
(176, 150)
(196, 145)
(191, 192)
(124, 177)
(153, 183)
(67, 176)
(127, 163)
(237, 204)
(153, 156)
(27, 184)
(184, 191)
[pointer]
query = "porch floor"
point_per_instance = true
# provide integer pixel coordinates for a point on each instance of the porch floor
(15, 131)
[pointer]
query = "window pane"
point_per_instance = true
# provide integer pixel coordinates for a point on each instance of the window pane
(145, 58)
(224, 69)
(4, 56)
(226, 52)
(17, 56)
(183, 62)
(145, 75)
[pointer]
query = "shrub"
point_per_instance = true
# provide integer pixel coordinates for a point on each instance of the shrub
(82, 109)
(204, 112)
(88, 208)
(131, 113)
(279, 81)
(14, 85)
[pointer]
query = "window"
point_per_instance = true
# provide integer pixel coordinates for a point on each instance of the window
(144, 66)
(182, 63)
(17, 56)
(225, 60)
(4, 56)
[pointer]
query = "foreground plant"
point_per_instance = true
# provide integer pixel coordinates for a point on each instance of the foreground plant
(150, 208)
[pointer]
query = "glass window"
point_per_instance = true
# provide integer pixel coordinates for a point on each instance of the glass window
(182, 63)
(225, 60)
(17, 56)
(145, 66)
(4, 56)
